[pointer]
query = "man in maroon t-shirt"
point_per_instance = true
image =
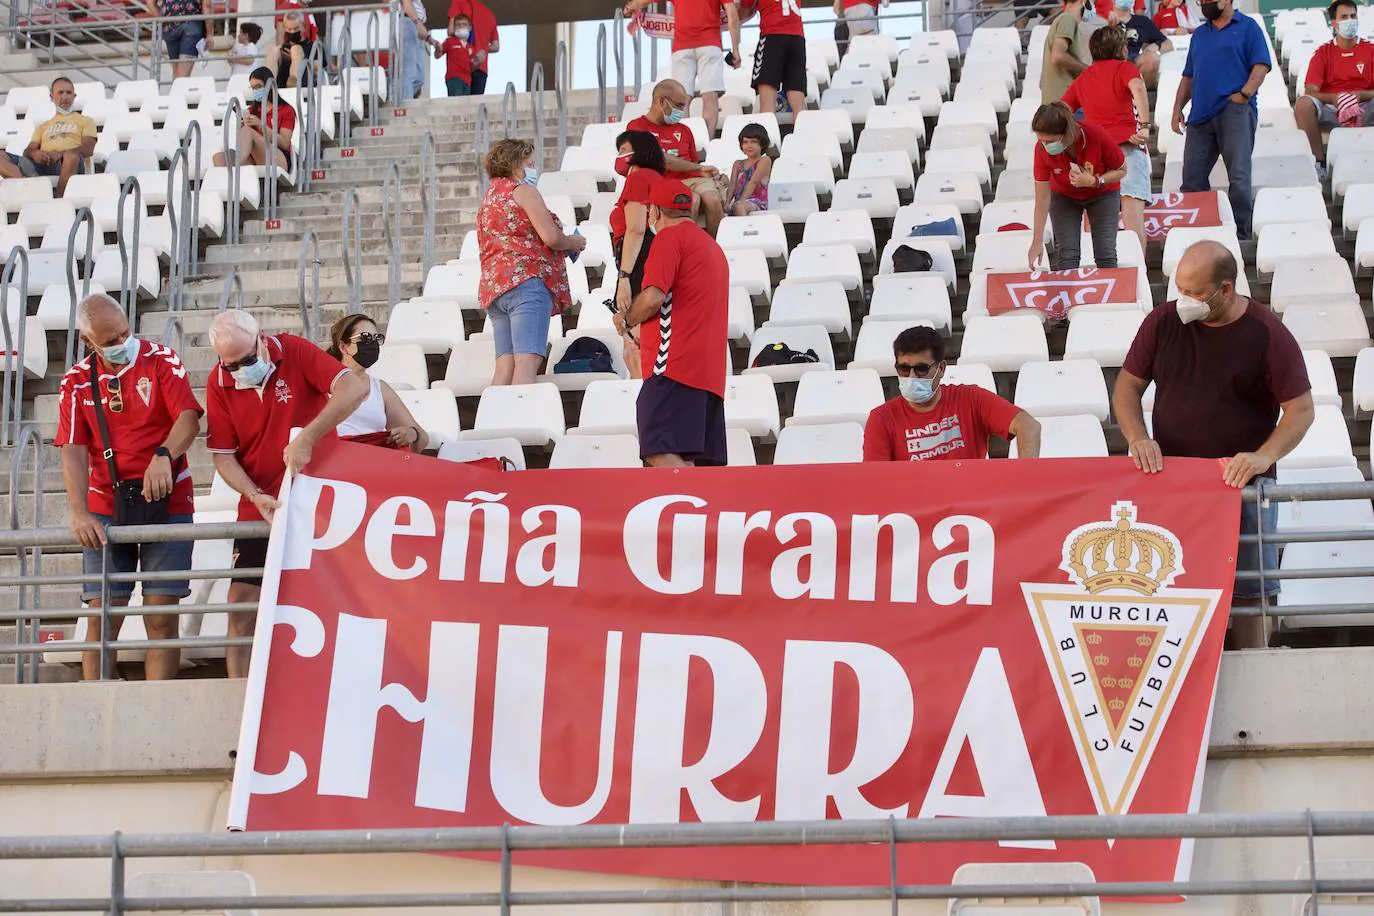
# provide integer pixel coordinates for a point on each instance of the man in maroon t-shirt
(152, 418)
(933, 422)
(262, 388)
(681, 408)
(664, 120)
(1230, 383)
(1340, 82)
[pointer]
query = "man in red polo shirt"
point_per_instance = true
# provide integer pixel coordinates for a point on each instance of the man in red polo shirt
(1340, 82)
(485, 38)
(262, 387)
(664, 120)
(681, 408)
(933, 422)
(152, 418)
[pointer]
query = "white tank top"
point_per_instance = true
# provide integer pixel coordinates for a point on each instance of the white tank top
(370, 417)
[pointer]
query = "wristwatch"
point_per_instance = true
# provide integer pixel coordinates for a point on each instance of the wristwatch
(163, 451)
(622, 275)
(1101, 180)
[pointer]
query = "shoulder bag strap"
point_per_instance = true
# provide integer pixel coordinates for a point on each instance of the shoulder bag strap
(100, 422)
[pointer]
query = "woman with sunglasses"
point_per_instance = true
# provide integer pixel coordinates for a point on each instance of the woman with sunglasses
(382, 419)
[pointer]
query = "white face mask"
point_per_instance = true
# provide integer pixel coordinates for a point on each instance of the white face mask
(1190, 309)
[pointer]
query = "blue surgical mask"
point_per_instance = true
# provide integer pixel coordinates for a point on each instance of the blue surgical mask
(121, 354)
(531, 176)
(64, 111)
(257, 95)
(1348, 28)
(252, 376)
(917, 390)
(675, 115)
(1055, 147)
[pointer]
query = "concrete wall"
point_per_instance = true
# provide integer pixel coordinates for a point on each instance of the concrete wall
(1293, 730)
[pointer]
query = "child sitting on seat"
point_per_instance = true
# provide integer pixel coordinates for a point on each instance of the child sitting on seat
(749, 176)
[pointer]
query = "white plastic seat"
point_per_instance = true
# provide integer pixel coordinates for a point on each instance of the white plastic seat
(435, 325)
(764, 231)
(1180, 239)
(503, 448)
(830, 443)
(837, 123)
(1323, 514)
(919, 72)
(813, 143)
(1364, 245)
(793, 201)
(1329, 591)
(903, 111)
(1078, 436)
(955, 160)
(1287, 241)
(892, 165)
(970, 374)
(577, 186)
(1325, 445)
(913, 215)
(732, 125)
(135, 92)
(457, 282)
(1350, 169)
(578, 381)
(962, 189)
(905, 140)
(1309, 281)
(471, 365)
(1062, 388)
(1322, 376)
(55, 306)
(847, 396)
(916, 298)
(1362, 390)
(1015, 185)
(938, 249)
(34, 357)
(435, 411)
(38, 216)
(109, 272)
(1338, 327)
(749, 269)
(1105, 336)
(799, 337)
(838, 262)
(876, 197)
(857, 102)
(873, 347)
(822, 302)
(1000, 251)
(533, 414)
(805, 168)
(1289, 205)
(841, 227)
(751, 404)
(15, 192)
(1004, 342)
(598, 162)
(615, 451)
(402, 366)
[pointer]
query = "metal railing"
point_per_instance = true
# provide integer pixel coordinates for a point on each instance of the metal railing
(232, 290)
(129, 244)
(562, 84)
(63, 538)
(883, 836)
(482, 143)
(510, 110)
(12, 400)
(232, 126)
(391, 231)
(310, 305)
(83, 217)
(374, 36)
(353, 263)
(178, 218)
(30, 442)
(310, 97)
(269, 188)
(536, 107)
(600, 73)
(429, 194)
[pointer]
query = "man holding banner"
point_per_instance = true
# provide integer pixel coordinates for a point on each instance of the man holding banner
(1231, 384)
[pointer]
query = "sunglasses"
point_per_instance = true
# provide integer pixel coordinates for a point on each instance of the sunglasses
(920, 370)
(367, 337)
(114, 400)
(250, 360)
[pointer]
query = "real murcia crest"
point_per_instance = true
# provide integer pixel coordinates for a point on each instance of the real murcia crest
(1119, 640)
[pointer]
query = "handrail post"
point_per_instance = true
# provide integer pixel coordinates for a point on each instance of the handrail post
(353, 267)
(618, 50)
(173, 323)
(536, 106)
(233, 284)
(482, 136)
(601, 73)
(269, 191)
(310, 307)
(233, 123)
(562, 83)
(128, 263)
(429, 194)
(29, 441)
(12, 400)
(83, 217)
(509, 109)
(346, 82)
(396, 75)
(635, 44)
(190, 189)
(178, 224)
(391, 227)
(374, 41)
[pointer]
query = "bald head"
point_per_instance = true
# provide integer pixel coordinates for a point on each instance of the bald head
(1207, 273)
(99, 317)
(669, 95)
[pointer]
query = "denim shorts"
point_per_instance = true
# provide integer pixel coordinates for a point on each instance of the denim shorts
(163, 556)
(520, 319)
(1137, 181)
(182, 37)
(54, 169)
(1248, 556)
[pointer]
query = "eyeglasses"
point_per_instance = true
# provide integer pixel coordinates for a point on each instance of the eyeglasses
(114, 401)
(250, 360)
(920, 370)
(367, 337)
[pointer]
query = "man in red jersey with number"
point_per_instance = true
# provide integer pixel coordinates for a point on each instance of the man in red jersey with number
(664, 120)
(1340, 82)
(934, 422)
(780, 58)
(681, 317)
(262, 388)
(698, 59)
(127, 407)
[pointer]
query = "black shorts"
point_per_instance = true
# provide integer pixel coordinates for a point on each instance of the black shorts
(675, 419)
(249, 553)
(780, 62)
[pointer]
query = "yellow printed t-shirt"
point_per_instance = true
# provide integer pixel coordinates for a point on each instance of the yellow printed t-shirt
(63, 132)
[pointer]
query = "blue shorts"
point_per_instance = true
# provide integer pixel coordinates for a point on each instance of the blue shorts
(1248, 556)
(54, 169)
(520, 319)
(677, 419)
(163, 556)
(182, 38)
(1137, 181)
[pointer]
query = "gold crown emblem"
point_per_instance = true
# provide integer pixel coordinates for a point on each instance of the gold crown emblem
(1145, 641)
(1135, 661)
(1101, 659)
(1109, 682)
(1124, 555)
(1116, 705)
(1093, 639)
(1125, 683)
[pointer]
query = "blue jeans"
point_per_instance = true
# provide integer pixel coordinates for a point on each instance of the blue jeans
(1230, 135)
(413, 79)
(1248, 556)
(161, 556)
(520, 319)
(182, 37)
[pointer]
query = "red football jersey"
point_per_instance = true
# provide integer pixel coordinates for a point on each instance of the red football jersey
(151, 392)
(958, 426)
(687, 339)
(676, 140)
(782, 17)
(1336, 70)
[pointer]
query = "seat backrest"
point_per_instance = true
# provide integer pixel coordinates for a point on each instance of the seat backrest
(830, 443)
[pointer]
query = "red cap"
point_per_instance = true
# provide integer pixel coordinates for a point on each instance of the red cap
(671, 194)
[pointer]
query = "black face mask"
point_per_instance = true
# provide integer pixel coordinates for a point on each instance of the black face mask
(368, 353)
(1211, 11)
(294, 37)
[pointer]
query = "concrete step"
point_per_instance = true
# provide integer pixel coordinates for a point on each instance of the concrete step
(281, 318)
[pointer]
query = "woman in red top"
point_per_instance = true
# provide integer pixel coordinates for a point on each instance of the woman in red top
(1112, 95)
(641, 162)
(256, 126)
(1174, 18)
(524, 272)
(1078, 170)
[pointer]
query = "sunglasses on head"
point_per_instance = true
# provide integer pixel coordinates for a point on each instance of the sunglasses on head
(920, 370)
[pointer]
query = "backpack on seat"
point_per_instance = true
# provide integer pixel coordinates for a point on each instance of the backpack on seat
(780, 354)
(585, 354)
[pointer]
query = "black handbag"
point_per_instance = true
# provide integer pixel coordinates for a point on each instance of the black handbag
(130, 508)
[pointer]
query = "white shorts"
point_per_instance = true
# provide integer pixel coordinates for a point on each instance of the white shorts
(862, 20)
(700, 69)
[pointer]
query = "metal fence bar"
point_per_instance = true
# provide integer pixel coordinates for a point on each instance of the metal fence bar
(233, 287)
(562, 84)
(83, 218)
(346, 89)
(391, 231)
(600, 74)
(373, 37)
(233, 125)
(310, 306)
(482, 143)
(618, 51)
(536, 109)
(429, 194)
(105, 644)
(193, 144)
(30, 442)
(353, 266)
(128, 249)
(269, 189)
(510, 110)
(12, 399)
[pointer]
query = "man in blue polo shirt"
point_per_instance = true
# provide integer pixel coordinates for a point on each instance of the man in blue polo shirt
(1227, 61)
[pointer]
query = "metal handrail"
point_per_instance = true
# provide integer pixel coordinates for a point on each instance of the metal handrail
(128, 264)
(29, 441)
(269, 191)
(482, 143)
(310, 307)
(635, 43)
(178, 224)
(395, 83)
(353, 267)
(429, 193)
(192, 142)
(310, 96)
(12, 400)
(509, 110)
(233, 124)
(373, 36)
(346, 82)
(233, 286)
(562, 83)
(83, 217)
(618, 50)
(173, 324)
(537, 106)
(391, 229)
(600, 73)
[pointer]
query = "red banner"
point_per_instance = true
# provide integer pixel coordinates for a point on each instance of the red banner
(447, 646)
(1054, 292)
(660, 25)
(1178, 208)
